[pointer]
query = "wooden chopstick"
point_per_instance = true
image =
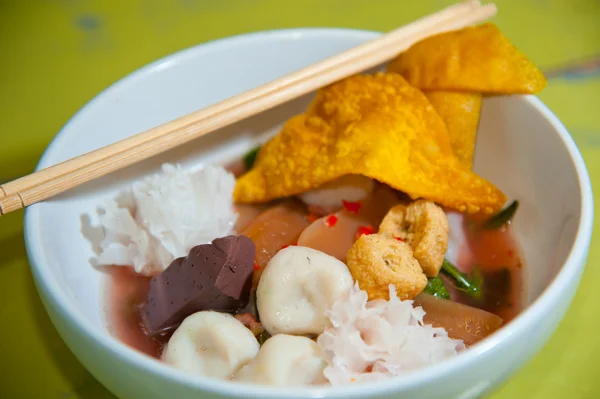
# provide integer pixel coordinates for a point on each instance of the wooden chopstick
(56, 179)
(346, 57)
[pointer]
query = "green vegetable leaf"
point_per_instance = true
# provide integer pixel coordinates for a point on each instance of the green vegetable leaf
(250, 158)
(502, 217)
(471, 284)
(435, 286)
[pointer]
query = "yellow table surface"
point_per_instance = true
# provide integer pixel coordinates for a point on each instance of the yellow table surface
(57, 55)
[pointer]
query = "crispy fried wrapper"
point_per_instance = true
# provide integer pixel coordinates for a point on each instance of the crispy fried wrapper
(474, 59)
(378, 126)
(460, 112)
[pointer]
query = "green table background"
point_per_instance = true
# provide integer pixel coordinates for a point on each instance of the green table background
(57, 55)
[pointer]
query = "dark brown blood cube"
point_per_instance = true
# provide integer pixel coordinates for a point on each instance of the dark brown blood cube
(216, 276)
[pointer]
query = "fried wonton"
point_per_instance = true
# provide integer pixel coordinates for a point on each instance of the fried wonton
(460, 112)
(378, 126)
(475, 59)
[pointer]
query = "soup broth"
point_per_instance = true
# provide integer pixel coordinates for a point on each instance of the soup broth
(494, 252)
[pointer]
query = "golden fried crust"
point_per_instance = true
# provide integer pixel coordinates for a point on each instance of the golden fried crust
(454, 68)
(424, 226)
(377, 126)
(394, 223)
(376, 261)
(460, 112)
(474, 59)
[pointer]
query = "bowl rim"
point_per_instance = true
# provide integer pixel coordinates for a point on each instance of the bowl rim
(47, 286)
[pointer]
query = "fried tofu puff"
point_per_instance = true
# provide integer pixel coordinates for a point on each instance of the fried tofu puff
(424, 226)
(376, 261)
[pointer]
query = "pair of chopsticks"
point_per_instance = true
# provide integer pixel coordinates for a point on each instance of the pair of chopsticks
(59, 178)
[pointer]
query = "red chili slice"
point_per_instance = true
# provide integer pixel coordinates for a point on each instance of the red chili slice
(331, 220)
(399, 239)
(353, 207)
(256, 266)
(364, 230)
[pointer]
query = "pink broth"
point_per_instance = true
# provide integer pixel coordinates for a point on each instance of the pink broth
(128, 291)
(497, 255)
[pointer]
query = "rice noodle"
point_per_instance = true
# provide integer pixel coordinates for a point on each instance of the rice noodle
(379, 339)
(163, 216)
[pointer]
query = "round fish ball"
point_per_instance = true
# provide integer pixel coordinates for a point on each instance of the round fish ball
(285, 360)
(329, 196)
(297, 287)
(211, 344)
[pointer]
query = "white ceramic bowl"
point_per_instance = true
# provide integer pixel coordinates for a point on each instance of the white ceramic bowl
(522, 147)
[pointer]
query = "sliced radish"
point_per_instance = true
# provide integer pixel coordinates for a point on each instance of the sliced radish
(273, 229)
(335, 240)
(246, 214)
(460, 321)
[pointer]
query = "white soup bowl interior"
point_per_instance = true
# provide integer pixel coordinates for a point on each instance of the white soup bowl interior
(521, 147)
